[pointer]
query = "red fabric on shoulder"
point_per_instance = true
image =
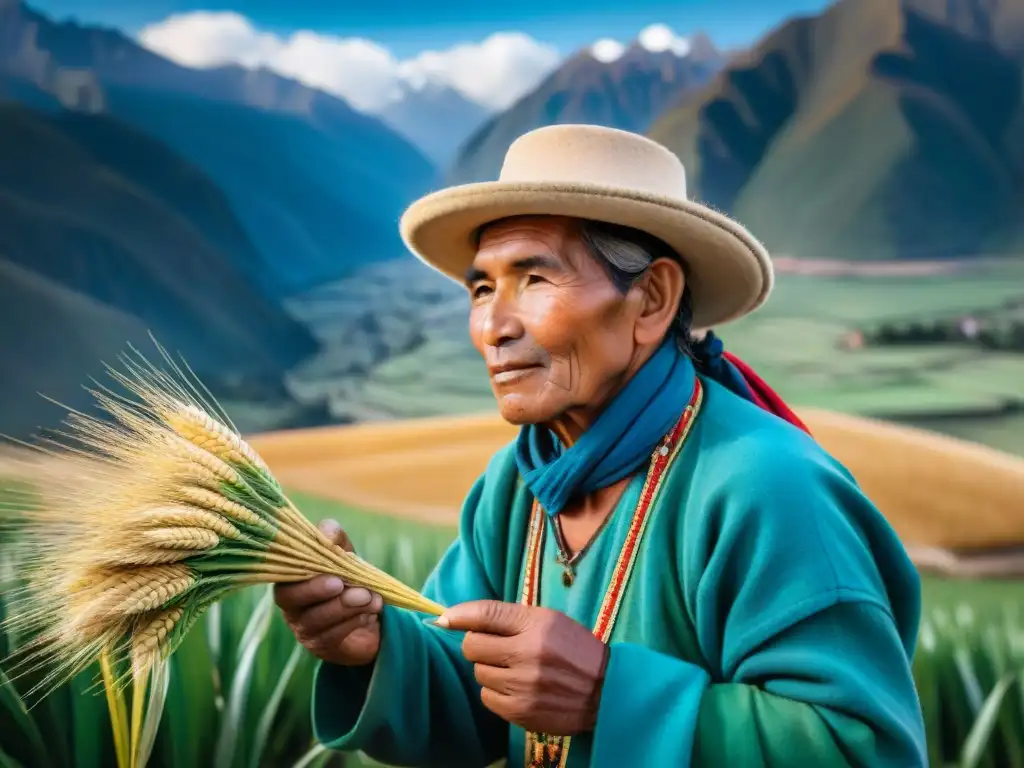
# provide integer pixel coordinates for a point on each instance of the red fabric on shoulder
(764, 395)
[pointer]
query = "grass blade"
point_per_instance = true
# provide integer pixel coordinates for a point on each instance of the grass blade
(118, 711)
(214, 639)
(978, 738)
(139, 685)
(87, 739)
(6, 761)
(234, 712)
(159, 683)
(15, 706)
(926, 678)
(272, 705)
(190, 718)
(315, 757)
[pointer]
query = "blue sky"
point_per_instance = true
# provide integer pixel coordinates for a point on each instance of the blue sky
(409, 26)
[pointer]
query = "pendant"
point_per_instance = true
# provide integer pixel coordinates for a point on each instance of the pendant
(568, 574)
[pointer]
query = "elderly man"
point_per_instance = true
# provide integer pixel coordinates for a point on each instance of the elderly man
(664, 569)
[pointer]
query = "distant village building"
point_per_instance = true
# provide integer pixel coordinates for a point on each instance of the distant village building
(852, 340)
(970, 327)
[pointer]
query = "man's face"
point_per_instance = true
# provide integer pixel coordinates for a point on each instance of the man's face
(556, 334)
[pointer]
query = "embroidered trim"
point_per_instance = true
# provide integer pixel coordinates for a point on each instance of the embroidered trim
(553, 751)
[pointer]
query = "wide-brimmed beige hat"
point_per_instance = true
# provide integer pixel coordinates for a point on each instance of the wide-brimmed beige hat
(607, 175)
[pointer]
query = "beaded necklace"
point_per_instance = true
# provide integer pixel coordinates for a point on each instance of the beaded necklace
(546, 751)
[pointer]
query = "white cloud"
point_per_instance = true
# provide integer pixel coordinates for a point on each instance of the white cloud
(659, 37)
(607, 50)
(204, 39)
(494, 72)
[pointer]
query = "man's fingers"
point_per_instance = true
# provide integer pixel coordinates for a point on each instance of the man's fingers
(501, 704)
(496, 679)
(493, 650)
(331, 638)
(490, 616)
(294, 598)
(323, 616)
(358, 597)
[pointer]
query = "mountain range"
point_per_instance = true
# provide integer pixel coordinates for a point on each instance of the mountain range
(313, 181)
(625, 88)
(106, 235)
(876, 130)
(138, 196)
(436, 119)
(203, 205)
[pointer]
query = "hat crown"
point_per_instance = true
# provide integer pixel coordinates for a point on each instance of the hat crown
(594, 155)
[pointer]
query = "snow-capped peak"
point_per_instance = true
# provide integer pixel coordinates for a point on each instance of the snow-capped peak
(658, 38)
(607, 50)
(655, 38)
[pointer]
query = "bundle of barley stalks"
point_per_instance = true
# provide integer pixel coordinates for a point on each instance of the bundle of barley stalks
(143, 519)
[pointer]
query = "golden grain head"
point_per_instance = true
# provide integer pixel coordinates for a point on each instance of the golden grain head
(193, 539)
(150, 638)
(149, 554)
(145, 589)
(215, 502)
(172, 516)
(87, 583)
(108, 548)
(206, 432)
(179, 448)
(102, 608)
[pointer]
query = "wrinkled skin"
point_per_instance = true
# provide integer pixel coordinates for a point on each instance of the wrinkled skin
(539, 669)
(544, 307)
(559, 340)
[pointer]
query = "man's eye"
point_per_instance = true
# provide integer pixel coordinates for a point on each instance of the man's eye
(532, 279)
(480, 291)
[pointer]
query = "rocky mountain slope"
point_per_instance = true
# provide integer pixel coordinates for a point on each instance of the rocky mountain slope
(877, 130)
(627, 90)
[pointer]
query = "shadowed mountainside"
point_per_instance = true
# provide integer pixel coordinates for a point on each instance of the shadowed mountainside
(317, 185)
(94, 243)
(876, 130)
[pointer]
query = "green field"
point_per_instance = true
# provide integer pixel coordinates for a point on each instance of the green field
(970, 640)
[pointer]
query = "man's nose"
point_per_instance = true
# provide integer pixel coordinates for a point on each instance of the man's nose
(501, 323)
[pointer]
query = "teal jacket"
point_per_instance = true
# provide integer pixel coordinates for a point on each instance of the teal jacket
(770, 620)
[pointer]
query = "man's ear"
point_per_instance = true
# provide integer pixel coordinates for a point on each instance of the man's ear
(663, 290)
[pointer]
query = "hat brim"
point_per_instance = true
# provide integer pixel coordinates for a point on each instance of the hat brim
(728, 270)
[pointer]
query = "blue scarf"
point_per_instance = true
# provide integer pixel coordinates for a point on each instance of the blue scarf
(618, 443)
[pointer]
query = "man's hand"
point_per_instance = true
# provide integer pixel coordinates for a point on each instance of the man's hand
(334, 622)
(539, 669)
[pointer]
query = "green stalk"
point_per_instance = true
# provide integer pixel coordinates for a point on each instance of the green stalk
(118, 711)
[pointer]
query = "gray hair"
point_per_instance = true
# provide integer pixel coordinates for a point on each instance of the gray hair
(628, 253)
